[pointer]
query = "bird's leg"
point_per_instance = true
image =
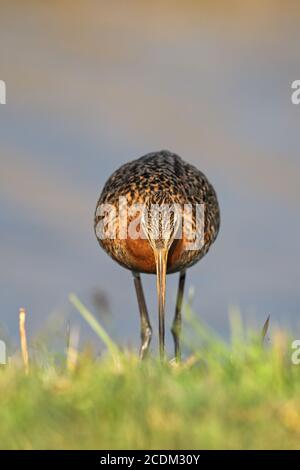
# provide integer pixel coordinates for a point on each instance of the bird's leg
(176, 326)
(146, 330)
(161, 256)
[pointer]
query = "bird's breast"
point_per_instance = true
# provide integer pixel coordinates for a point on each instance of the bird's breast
(140, 255)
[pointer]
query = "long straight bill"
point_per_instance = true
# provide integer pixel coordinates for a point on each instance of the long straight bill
(161, 256)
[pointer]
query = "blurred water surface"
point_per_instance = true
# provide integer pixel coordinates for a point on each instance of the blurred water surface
(91, 85)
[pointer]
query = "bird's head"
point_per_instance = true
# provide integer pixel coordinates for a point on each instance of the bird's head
(161, 219)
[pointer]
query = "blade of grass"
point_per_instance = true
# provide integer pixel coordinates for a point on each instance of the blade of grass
(265, 329)
(207, 336)
(95, 325)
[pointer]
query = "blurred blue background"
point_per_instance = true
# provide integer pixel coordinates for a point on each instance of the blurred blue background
(93, 84)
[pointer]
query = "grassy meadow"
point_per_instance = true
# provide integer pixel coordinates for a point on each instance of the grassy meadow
(224, 395)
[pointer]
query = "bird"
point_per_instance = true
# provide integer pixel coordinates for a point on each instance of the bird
(139, 221)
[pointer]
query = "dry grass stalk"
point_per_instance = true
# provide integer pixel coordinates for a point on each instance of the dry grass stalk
(72, 348)
(23, 340)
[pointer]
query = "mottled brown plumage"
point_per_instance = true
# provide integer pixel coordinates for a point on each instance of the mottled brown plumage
(158, 178)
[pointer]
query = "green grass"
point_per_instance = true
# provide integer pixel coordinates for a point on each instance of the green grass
(231, 396)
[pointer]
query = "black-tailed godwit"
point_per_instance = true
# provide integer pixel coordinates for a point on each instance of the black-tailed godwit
(157, 244)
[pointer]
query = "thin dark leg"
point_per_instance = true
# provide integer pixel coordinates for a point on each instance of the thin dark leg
(176, 326)
(146, 330)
